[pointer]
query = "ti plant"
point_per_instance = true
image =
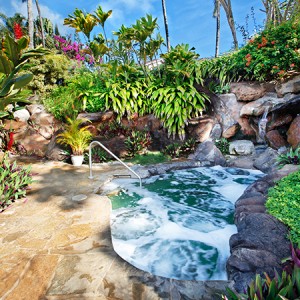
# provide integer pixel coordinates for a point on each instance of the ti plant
(14, 182)
(13, 57)
(291, 157)
(138, 142)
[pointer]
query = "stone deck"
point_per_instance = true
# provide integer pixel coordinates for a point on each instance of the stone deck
(54, 247)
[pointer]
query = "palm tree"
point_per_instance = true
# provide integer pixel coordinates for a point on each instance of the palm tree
(279, 11)
(41, 22)
(101, 16)
(166, 24)
(82, 22)
(30, 22)
(8, 23)
(216, 15)
(226, 4)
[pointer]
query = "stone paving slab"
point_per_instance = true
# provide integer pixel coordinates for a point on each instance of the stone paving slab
(56, 247)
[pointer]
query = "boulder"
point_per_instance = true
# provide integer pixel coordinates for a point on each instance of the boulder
(208, 154)
(251, 200)
(97, 116)
(246, 127)
(293, 133)
(266, 161)
(16, 126)
(32, 142)
(223, 115)
(202, 130)
(147, 122)
(21, 115)
(232, 104)
(54, 150)
(290, 86)
(258, 107)
(275, 139)
(230, 131)
(233, 108)
(245, 263)
(35, 108)
(244, 162)
(290, 105)
(241, 147)
(279, 121)
(248, 91)
(216, 132)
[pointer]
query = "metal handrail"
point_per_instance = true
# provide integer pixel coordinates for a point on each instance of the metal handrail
(113, 155)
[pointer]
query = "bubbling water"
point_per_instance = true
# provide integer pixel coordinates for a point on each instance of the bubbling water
(179, 224)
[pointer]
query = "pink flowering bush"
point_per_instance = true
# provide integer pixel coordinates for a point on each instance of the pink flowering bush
(73, 50)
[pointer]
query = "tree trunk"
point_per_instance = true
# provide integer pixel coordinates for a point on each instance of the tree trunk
(228, 10)
(41, 22)
(30, 23)
(217, 16)
(166, 24)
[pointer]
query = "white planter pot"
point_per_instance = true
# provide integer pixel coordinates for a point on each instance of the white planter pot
(77, 160)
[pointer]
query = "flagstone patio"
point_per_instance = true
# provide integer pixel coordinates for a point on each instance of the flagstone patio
(57, 244)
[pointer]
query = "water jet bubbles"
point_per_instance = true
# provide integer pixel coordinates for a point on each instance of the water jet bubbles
(179, 224)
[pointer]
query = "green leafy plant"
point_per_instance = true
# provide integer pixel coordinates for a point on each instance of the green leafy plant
(176, 150)
(188, 147)
(62, 103)
(223, 145)
(281, 287)
(14, 56)
(291, 157)
(173, 95)
(49, 72)
(172, 150)
(88, 87)
(283, 203)
(80, 92)
(78, 138)
(125, 90)
(138, 142)
(98, 156)
(14, 182)
(272, 54)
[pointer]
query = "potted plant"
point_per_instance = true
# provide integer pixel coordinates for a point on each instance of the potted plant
(77, 137)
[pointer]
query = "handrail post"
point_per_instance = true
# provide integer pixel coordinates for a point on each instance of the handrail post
(113, 155)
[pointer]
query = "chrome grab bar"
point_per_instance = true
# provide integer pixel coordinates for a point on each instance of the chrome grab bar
(113, 155)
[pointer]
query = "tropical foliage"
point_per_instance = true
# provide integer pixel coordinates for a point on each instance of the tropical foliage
(285, 286)
(78, 138)
(283, 203)
(281, 287)
(14, 182)
(291, 157)
(173, 94)
(272, 54)
(14, 56)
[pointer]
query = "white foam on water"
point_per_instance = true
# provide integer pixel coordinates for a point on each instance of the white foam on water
(168, 238)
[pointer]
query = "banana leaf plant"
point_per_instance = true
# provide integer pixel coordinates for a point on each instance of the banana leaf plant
(13, 58)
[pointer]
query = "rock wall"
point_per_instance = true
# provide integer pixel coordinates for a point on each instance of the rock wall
(240, 113)
(33, 129)
(261, 242)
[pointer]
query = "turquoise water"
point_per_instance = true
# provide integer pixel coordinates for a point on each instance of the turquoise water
(178, 224)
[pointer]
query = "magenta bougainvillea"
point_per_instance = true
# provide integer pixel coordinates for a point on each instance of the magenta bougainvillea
(73, 50)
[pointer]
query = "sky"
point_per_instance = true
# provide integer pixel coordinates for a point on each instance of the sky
(190, 21)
